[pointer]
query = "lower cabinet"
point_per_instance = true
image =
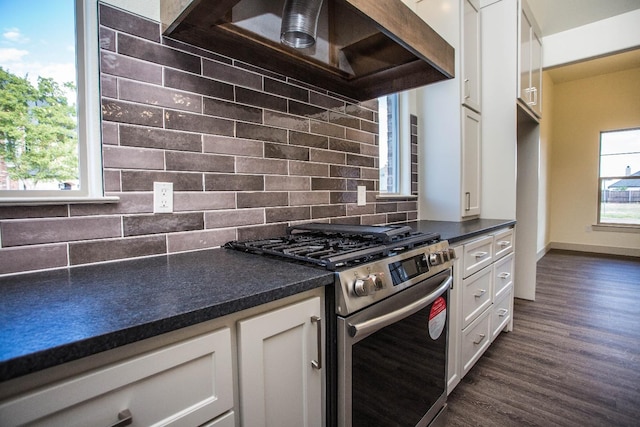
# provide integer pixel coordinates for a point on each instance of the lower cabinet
(280, 367)
(481, 299)
(188, 383)
(258, 367)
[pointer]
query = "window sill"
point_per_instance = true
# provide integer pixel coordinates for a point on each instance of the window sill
(616, 228)
(39, 201)
(383, 196)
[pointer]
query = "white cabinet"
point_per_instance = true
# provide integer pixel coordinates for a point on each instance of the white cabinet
(187, 383)
(481, 301)
(471, 163)
(529, 61)
(279, 361)
(470, 57)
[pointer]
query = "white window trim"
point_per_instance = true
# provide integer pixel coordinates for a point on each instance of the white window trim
(404, 149)
(89, 123)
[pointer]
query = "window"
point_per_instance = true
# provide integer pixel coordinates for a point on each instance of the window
(394, 139)
(619, 179)
(50, 112)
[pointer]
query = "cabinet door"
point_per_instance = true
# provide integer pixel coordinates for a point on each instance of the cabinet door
(524, 59)
(471, 161)
(471, 55)
(536, 74)
(187, 383)
(279, 384)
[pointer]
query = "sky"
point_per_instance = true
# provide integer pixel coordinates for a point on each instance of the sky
(37, 37)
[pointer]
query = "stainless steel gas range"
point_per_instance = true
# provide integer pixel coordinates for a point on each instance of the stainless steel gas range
(388, 330)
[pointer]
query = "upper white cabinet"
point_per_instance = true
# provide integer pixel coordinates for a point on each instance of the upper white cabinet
(471, 163)
(280, 365)
(529, 61)
(471, 55)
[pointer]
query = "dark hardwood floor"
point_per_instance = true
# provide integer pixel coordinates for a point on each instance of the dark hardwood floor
(573, 358)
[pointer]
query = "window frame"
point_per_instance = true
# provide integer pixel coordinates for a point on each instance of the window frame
(89, 122)
(403, 158)
(604, 225)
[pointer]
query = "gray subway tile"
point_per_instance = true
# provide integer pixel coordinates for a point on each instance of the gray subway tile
(261, 231)
(197, 84)
(109, 86)
(308, 140)
(328, 184)
(199, 162)
(158, 54)
(299, 198)
(179, 120)
(287, 214)
(107, 39)
(159, 138)
(261, 99)
(229, 145)
(231, 74)
(231, 110)
(156, 95)
(132, 158)
(386, 207)
(143, 180)
(110, 133)
(286, 90)
(128, 203)
(162, 223)
(328, 129)
(355, 160)
(343, 197)
(29, 258)
(344, 145)
(111, 180)
(287, 183)
(259, 132)
(262, 166)
(274, 118)
(283, 151)
(234, 218)
(328, 211)
(344, 120)
(360, 136)
(227, 182)
(359, 111)
(44, 211)
(109, 250)
(37, 231)
(124, 112)
(203, 201)
(123, 66)
(308, 169)
(307, 110)
(195, 240)
(326, 156)
(325, 101)
(262, 199)
(344, 171)
(129, 23)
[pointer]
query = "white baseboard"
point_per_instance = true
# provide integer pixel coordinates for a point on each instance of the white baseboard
(542, 252)
(607, 250)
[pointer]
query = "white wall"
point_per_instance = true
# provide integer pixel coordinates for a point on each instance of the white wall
(600, 38)
(147, 8)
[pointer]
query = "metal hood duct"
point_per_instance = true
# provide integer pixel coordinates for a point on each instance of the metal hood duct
(300, 23)
(363, 49)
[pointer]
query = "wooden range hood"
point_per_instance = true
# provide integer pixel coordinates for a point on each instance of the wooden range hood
(365, 48)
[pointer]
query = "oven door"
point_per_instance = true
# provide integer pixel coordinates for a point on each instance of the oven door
(392, 358)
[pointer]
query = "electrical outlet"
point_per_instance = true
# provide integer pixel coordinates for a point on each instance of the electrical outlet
(362, 195)
(162, 197)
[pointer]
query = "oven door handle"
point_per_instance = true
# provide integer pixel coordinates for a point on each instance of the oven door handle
(372, 325)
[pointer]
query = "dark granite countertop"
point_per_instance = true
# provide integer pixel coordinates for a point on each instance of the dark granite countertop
(457, 231)
(52, 317)
(49, 318)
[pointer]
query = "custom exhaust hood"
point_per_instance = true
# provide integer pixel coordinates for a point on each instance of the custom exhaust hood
(363, 48)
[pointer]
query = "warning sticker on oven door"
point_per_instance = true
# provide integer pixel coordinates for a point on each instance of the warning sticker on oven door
(437, 318)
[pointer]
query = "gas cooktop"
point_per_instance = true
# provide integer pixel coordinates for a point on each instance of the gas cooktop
(338, 245)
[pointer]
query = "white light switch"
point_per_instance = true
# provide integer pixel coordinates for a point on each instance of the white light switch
(362, 195)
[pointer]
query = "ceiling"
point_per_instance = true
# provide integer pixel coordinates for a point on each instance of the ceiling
(554, 16)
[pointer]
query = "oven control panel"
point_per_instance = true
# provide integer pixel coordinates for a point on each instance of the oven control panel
(361, 286)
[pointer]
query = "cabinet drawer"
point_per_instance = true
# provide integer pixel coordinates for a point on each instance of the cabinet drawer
(476, 295)
(503, 243)
(501, 313)
(187, 383)
(475, 340)
(477, 255)
(502, 276)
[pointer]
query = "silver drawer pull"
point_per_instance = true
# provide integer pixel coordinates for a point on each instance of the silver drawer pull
(481, 337)
(479, 294)
(125, 418)
(504, 275)
(480, 254)
(317, 364)
(504, 243)
(502, 312)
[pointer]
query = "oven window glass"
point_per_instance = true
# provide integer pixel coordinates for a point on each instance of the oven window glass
(398, 373)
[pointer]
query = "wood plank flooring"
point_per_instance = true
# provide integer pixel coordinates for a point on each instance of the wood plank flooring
(573, 358)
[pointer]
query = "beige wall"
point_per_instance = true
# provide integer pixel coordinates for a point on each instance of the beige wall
(581, 109)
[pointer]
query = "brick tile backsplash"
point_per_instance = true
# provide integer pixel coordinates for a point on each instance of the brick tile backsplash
(248, 151)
